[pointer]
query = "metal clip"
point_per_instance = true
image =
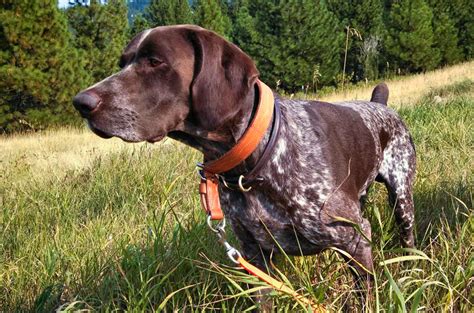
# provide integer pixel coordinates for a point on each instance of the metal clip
(232, 253)
(219, 229)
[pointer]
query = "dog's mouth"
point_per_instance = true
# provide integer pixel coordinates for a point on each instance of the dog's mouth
(98, 132)
(127, 138)
(156, 138)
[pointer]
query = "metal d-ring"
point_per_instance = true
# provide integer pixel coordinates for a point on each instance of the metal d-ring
(220, 226)
(225, 182)
(241, 186)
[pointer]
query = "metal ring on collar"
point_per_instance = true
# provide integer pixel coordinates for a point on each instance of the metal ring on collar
(219, 226)
(241, 186)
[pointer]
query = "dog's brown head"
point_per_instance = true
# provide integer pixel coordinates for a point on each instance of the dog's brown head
(169, 75)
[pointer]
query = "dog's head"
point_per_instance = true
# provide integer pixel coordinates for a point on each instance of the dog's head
(169, 75)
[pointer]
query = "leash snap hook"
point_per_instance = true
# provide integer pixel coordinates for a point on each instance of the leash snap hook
(232, 253)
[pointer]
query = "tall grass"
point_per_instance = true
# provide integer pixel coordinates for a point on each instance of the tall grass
(124, 231)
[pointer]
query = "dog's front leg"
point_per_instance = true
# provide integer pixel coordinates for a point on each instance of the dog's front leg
(261, 259)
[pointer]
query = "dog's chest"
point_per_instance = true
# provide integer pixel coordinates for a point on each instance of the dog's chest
(297, 180)
(270, 220)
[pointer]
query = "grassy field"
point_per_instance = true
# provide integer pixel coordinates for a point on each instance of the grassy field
(93, 224)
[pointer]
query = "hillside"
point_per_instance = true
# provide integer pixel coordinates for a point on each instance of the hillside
(101, 225)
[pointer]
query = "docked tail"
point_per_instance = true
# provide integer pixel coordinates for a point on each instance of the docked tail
(380, 94)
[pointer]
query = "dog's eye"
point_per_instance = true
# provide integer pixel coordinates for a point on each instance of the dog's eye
(154, 62)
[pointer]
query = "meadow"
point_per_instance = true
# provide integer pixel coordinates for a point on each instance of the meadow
(100, 225)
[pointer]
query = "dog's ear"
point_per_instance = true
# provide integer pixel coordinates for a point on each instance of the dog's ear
(223, 77)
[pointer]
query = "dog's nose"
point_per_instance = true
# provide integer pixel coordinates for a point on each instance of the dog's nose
(85, 102)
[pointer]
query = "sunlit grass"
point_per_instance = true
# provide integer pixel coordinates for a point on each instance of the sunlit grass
(97, 224)
(408, 90)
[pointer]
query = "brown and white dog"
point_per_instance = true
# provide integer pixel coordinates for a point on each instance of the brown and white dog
(192, 85)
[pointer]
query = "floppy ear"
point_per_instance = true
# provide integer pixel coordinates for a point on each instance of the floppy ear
(223, 77)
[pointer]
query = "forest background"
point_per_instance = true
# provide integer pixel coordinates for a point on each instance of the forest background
(48, 53)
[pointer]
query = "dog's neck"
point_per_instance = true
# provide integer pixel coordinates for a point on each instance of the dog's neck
(214, 144)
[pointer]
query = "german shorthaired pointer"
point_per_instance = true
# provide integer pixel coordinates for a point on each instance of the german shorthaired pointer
(190, 84)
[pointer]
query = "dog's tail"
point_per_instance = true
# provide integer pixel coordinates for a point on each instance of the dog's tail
(380, 94)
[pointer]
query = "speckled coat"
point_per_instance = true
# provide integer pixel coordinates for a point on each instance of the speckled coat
(325, 159)
(192, 85)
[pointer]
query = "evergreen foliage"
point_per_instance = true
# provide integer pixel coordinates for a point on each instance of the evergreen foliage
(462, 14)
(40, 70)
(140, 23)
(244, 32)
(295, 43)
(47, 54)
(168, 12)
(209, 14)
(410, 39)
(446, 37)
(365, 16)
(100, 32)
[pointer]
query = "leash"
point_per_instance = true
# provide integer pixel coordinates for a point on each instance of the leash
(211, 171)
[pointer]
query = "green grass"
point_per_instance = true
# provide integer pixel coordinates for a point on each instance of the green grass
(127, 233)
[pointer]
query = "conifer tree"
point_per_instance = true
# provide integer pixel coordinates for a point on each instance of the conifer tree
(101, 32)
(293, 42)
(209, 14)
(244, 32)
(365, 16)
(40, 71)
(140, 23)
(446, 38)
(461, 13)
(410, 39)
(310, 42)
(168, 12)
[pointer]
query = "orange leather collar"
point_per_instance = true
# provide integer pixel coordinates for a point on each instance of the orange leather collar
(209, 187)
(247, 144)
(252, 136)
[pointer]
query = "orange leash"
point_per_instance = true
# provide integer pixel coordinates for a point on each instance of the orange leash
(278, 285)
(209, 189)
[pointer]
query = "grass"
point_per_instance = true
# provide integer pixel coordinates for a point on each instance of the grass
(90, 224)
(406, 91)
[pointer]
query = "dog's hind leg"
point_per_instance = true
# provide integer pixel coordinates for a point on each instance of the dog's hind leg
(356, 245)
(398, 173)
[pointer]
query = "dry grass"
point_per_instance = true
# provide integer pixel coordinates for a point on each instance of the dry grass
(54, 152)
(409, 90)
(88, 224)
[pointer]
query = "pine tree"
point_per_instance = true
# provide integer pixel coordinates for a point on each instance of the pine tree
(168, 12)
(365, 17)
(295, 43)
(40, 70)
(461, 13)
(100, 31)
(209, 14)
(446, 38)
(244, 32)
(310, 42)
(140, 23)
(410, 39)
